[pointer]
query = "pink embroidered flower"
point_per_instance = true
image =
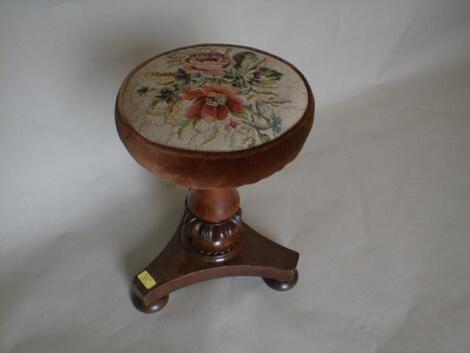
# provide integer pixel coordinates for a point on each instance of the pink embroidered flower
(232, 124)
(210, 63)
(213, 102)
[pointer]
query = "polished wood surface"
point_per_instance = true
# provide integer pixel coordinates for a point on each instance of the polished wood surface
(217, 241)
(213, 205)
(178, 266)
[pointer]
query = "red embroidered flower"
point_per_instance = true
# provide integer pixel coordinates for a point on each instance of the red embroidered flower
(233, 124)
(210, 63)
(213, 102)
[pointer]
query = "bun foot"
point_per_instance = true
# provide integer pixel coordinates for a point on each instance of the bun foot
(157, 305)
(281, 286)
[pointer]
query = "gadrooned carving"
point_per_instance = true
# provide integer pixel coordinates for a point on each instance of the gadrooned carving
(212, 239)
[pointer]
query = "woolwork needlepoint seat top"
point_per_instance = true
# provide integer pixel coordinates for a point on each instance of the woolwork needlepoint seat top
(214, 115)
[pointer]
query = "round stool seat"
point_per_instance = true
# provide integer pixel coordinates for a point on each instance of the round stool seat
(213, 116)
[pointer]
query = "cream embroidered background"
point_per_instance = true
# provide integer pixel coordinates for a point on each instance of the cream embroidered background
(271, 95)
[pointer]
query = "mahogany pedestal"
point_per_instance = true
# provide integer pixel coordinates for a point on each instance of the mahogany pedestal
(212, 118)
(202, 250)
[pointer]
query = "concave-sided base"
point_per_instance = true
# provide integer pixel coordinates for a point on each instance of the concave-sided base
(177, 267)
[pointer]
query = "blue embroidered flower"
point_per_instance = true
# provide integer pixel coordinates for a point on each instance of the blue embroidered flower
(168, 95)
(277, 123)
(185, 78)
(142, 91)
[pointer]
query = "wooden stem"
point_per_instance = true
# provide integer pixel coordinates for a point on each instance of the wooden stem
(212, 225)
(213, 205)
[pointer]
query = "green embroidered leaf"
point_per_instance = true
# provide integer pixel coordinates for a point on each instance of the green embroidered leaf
(196, 123)
(249, 141)
(234, 78)
(162, 78)
(211, 134)
(261, 124)
(231, 74)
(183, 127)
(264, 138)
(174, 109)
(157, 108)
(267, 77)
(245, 59)
(243, 136)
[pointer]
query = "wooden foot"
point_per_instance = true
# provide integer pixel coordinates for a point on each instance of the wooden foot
(282, 286)
(150, 308)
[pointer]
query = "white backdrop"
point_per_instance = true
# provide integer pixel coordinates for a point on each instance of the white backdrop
(378, 201)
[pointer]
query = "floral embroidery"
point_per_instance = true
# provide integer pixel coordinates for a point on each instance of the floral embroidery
(213, 102)
(206, 95)
(210, 63)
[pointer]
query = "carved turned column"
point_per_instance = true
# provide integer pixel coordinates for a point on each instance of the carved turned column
(212, 224)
